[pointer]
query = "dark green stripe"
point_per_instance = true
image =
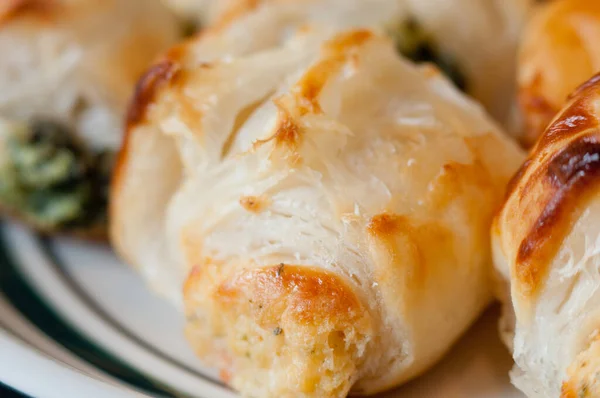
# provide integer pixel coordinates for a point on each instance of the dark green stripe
(92, 305)
(32, 307)
(7, 392)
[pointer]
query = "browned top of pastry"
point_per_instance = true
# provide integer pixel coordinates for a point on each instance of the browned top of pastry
(550, 191)
(559, 51)
(42, 9)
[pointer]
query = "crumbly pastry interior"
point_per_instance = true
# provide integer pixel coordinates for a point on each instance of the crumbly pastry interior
(326, 203)
(66, 79)
(546, 240)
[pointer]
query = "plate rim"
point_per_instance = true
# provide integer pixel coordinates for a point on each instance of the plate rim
(25, 265)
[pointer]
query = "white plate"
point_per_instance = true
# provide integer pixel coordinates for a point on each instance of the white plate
(109, 336)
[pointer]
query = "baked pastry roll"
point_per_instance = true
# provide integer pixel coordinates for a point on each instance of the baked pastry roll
(546, 240)
(482, 38)
(67, 71)
(474, 42)
(271, 23)
(558, 53)
(328, 202)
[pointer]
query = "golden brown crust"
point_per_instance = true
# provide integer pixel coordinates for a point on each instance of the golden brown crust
(552, 187)
(145, 91)
(288, 134)
(403, 245)
(254, 204)
(310, 295)
(384, 225)
(538, 111)
(10, 9)
(309, 88)
(558, 53)
(160, 74)
(567, 391)
(298, 319)
(513, 183)
(402, 242)
(230, 303)
(582, 375)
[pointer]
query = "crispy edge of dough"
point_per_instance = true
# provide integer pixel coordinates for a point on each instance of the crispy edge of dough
(551, 30)
(317, 294)
(147, 87)
(550, 191)
(310, 298)
(41, 9)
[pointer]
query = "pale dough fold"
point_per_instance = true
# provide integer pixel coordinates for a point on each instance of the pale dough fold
(326, 202)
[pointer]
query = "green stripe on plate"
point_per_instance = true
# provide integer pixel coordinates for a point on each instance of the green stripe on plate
(33, 308)
(8, 392)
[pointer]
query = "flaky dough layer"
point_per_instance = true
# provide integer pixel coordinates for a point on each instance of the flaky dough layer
(327, 203)
(546, 248)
